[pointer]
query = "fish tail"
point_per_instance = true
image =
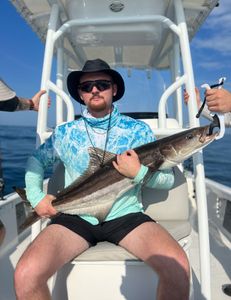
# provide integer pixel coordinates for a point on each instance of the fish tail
(32, 216)
(30, 219)
(22, 193)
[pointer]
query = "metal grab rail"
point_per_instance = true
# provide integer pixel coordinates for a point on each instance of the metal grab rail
(163, 100)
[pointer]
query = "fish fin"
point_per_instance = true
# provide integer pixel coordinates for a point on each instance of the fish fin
(101, 216)
(30, 219)
(32, 216)
(97, 154)
(155, 165)
(153, 169)
(22, 193)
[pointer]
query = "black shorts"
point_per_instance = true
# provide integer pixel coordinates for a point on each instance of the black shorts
(112, 231)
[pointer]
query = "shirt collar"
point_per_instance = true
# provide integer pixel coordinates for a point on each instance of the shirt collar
(101, 122)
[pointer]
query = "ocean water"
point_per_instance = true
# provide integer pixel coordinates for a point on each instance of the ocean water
(18, 143)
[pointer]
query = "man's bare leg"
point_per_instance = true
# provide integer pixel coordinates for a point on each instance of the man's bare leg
(155, 246)
(54, 246)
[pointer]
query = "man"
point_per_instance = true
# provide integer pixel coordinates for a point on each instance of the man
(10, 102)
(98, 87)
(217, 100)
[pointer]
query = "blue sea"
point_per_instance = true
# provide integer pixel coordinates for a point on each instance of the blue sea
(17, 144)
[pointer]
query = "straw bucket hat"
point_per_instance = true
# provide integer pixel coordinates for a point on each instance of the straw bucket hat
(6, 93)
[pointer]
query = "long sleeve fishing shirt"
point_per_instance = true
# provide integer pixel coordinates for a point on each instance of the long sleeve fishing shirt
(70, 142)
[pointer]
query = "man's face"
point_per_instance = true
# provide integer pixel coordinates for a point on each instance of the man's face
(97, 91)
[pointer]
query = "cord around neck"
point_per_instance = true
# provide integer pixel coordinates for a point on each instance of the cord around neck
(101, 162)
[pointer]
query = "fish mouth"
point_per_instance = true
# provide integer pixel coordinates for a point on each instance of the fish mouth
(209, 134)
(215, 123)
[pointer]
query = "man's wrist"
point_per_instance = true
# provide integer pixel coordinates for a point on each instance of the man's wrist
(141, 174)
(25, 104)
(31, 107)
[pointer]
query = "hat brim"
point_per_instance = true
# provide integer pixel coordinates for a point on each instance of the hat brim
(73, 80)
(6, 93)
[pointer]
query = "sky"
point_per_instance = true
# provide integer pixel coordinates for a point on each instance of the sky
(21, 56)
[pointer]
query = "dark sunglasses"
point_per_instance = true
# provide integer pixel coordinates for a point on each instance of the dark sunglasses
(101, 85)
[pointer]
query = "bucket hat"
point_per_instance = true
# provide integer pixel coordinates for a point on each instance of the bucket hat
(6, 93)
(93, 66)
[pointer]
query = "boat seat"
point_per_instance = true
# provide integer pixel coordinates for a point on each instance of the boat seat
(170, 123)
(170, 208)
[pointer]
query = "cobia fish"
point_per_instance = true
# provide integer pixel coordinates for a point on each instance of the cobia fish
(98, 188)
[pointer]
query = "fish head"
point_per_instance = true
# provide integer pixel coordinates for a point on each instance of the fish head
(185, 144)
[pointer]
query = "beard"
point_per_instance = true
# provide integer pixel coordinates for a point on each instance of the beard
(97, 105)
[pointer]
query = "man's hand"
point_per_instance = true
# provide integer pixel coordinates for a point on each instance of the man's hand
(45, 208)
(127, 163)
(186, 97)
(36, 99)
(218, 100)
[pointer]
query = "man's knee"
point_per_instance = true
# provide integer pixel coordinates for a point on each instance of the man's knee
(25, 272)
(171, 264)
(182, 260)
(20, 277)
(179, 265)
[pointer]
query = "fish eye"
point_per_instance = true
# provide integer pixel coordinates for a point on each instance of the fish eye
(189, 136)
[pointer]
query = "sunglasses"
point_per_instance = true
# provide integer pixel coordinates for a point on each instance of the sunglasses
(101, 85)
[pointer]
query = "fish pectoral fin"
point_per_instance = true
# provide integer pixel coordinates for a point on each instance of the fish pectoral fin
(102, 214)
(153, 169)
(156, 164)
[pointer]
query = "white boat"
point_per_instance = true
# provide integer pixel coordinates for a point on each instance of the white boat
(129, 34)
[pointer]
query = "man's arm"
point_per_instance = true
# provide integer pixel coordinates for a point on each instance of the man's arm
(31, 104)
(18, 103)
(43, 157)
(9, 105)
(9, 101)
(41, 202)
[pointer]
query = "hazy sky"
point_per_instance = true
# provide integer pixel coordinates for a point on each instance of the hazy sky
(21, 55)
